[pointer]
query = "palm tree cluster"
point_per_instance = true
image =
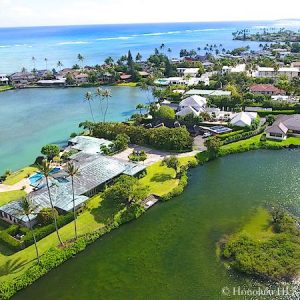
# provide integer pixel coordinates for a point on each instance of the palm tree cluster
(103, 95)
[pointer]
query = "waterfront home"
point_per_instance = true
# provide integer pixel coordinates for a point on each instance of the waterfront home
(182, 81)
(81, 78)
(126, 77)
(3, 79)
(266, 89)
(95, 172)
(267, 72)
(295, 64)
(189, 110)
(59, 82)
(217, 93)
(20, 79)
(283, 126)
(243, 119)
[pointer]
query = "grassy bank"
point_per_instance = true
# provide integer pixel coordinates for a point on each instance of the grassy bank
(19, 175)
(4, 88)
(6, 197)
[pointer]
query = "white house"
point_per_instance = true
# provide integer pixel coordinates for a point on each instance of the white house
(3, 79)
(195, 101)
(188, 72)
(277, 132)
(188, 110)
(243, 119)
(237, 69)
(267, 72)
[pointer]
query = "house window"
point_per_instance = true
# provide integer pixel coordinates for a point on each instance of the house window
(276, 135)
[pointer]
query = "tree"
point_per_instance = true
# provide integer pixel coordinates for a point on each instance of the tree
(109, 61)
(28, 208)
(45, 216)
(73, 171)
(165, 112)
(270, 119)
(138, 57)
(127, 190)
(121, 142)
(46, 62)
(45, 169)
(60, 65)
(80, 59)
(50, 151)
(69, 79)
(34, 62)
(89, 98)
(106, 94)
(213, 145)
(171, 162)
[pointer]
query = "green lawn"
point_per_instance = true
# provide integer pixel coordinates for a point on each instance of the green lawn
(5, 88)
(255, 140)
(128, 84)
(7, 197)
(289, 141)
(93, 218)
(19, 175)
(160, 179)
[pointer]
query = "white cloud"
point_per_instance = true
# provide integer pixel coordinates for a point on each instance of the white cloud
(55, 12)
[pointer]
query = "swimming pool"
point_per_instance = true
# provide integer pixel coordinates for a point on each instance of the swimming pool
(38, 176)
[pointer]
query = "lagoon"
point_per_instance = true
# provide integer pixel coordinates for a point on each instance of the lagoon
(31, 118)
(170, 252)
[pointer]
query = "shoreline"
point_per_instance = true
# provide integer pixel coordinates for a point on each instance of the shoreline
(84, 241)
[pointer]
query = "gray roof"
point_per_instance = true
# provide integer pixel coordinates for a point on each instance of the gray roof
(88, 144)
(292, 122)
(95, 170)
(279, 128)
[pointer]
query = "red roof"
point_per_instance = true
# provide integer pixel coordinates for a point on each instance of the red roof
(266, 88)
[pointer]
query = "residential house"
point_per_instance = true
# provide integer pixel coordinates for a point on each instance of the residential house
(243, 119)
(283, 126)
(188, 72)
(3, 79)
(192, 105)
(237, 69)
(22, 78)
(81, 78)
(267, 72)
(207, 93)
(266, 89)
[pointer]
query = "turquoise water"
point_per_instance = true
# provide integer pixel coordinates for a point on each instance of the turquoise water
(169, 253)
(95, 43)
(31, 118)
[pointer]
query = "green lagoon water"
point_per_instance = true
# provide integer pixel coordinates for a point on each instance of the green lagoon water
(170, 252)
(31, 118)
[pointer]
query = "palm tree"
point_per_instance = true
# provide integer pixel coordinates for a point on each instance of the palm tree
(73, 171)
(80, 59)
(45, 169)
(89, 98)
(46, 61)
(33, 61)
(99, 93)
(60, 65)
(27, 207)
(106, 94)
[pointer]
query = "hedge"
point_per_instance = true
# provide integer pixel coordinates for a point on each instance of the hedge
(233, 133)
(44, 231)
(164, 138)
(243, 136)
(264, 113)
(183, 181)
(10, 242)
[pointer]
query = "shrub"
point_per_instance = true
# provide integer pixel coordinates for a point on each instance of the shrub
(9, 241)
(45, 216)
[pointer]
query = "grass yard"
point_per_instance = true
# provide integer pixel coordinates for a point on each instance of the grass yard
(93, 218)
(7, 197)
(255, 140)
(128, 84)
(160, 179)
(4, 88)
(19, 175)
(289, 141)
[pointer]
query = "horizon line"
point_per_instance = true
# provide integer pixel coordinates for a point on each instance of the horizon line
(145, 23)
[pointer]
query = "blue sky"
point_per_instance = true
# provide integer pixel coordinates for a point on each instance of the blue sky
(63, 12)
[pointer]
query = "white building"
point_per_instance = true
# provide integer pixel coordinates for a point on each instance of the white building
(218, 93)
(237, 69)
(192, 105)
(188, 72)
(243, 119)
(3, 79)
(267, 72)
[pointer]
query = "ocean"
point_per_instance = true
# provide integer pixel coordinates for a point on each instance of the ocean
(96, 42)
